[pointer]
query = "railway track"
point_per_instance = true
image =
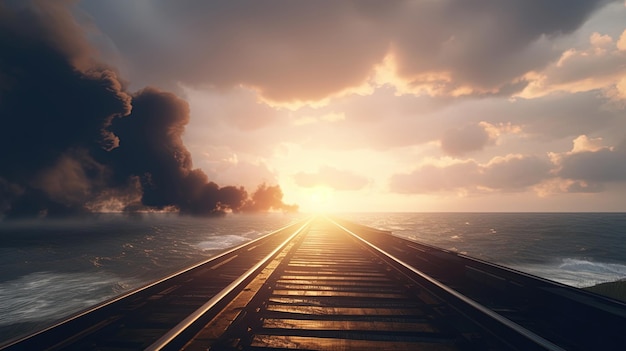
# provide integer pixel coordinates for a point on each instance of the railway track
(328, 284)
(135, 320)
(573, 318)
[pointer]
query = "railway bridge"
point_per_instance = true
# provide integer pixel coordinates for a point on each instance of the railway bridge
(328, 284)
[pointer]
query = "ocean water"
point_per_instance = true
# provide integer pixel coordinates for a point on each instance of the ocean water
(577, 249)
(53, 268)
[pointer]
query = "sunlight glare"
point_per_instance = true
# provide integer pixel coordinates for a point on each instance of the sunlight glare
(320, 198)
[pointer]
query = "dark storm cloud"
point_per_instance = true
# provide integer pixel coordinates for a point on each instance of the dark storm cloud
(297, 50)
(68, 136)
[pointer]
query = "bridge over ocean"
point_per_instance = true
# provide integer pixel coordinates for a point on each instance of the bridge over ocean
(328, 284)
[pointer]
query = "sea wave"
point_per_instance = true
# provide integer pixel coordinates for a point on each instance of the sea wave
(52, 268)
(37, 296)
(221, 242)
(577, 272)
(572, 264)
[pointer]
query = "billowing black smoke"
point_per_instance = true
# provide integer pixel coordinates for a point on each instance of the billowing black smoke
(72, 138)
(151, 148)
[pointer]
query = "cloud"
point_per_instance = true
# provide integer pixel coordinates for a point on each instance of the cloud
(79, 141)
(8, 194)
(151, 148)
(67, 181)
(510, 173)
(515, 172)
(558, 185)
(224, 166)
(593, 164)
(584, 143)
(589, 167)
(330, 117)
(460, 141)
(239, 108)
(267, 198)
(598, 66)
(406, 76)
(431, 178)
(621, 43)
(551, 117)
(332, 178)
(278, 48)
(299, 51)
(53, 99)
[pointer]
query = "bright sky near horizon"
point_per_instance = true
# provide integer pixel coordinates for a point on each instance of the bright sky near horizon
(394, 105)
(452, 105)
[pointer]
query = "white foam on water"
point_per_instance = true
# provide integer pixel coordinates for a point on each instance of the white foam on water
(221, 242)
(577, 272)
(50, 296)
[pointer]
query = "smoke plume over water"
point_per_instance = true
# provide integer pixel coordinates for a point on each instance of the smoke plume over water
(75, 140)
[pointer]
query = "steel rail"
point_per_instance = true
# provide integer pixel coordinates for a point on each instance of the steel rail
(524, 337)
(142, 289)
(172, 338)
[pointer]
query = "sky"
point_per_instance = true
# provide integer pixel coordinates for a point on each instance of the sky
(335, 106)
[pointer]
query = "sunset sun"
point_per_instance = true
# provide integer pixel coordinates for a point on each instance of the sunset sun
(319, 199)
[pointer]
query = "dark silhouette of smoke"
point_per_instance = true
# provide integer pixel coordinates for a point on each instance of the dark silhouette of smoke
(71, 136)
(55, 105)
(152, 149)
(267, 198)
